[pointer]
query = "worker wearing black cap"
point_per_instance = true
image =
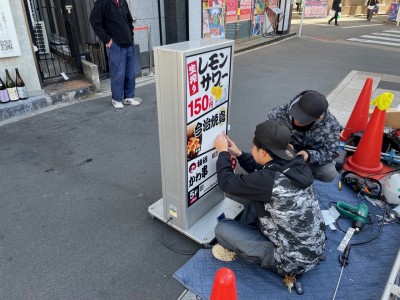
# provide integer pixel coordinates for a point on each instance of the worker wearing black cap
(281, 228)
(315, 132)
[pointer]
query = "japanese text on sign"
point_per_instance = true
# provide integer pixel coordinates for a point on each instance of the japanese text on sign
(208, 80)
(207, 96)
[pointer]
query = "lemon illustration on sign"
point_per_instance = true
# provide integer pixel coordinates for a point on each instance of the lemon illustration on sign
(213, 88)
(217, 92)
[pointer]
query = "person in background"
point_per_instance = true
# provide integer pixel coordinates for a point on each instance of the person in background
(315, 131)
(281, 229)
(337, 7)
(298, 6)
(112, 22)
(370, 8)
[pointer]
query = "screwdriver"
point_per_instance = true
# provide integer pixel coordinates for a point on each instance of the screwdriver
(344, 260)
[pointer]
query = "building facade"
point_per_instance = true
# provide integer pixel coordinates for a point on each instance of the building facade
(53, 37)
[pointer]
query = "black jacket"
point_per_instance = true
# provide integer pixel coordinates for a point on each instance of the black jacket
(288, 211)
(372, 2)
(110, 21)
(257, 186)
(336, 5)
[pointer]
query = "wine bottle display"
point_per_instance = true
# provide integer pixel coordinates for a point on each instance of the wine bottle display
(21, 88)
(3, 92)
(11, 88)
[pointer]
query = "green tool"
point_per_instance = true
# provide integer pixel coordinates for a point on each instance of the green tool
(358, 214)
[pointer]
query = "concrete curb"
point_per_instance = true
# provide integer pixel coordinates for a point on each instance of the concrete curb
(52, 96)
(21, 107)
(253, 44)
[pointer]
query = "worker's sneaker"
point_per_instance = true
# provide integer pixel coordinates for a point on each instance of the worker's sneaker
(132, 101)
(117, 104)
(223, 254)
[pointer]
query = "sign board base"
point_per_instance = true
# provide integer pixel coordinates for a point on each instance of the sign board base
(203, 230)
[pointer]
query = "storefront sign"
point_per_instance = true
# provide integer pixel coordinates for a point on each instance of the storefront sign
(208, 81)
(9, 45)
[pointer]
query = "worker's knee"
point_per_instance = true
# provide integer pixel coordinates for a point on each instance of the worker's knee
(325, 173)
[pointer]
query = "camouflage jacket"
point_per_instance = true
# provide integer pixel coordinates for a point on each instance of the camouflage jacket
(288, 215)
(321, 141)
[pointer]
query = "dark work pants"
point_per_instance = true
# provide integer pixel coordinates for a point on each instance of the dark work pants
(246, 239)
(325, 173)
(335, 17)
(370, 12)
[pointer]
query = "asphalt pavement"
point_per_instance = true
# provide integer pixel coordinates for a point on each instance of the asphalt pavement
(77, 179)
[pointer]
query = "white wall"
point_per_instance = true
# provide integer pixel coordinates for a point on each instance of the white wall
(26, 62)
(146, 13)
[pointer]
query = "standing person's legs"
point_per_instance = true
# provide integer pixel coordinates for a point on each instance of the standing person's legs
(116, 63)
(369, 14)
(130, 78)
(248, 242)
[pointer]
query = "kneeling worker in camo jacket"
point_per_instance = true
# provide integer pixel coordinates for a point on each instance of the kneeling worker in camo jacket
(281, 229)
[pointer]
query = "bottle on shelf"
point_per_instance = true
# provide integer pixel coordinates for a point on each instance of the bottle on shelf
(21, 88)
(11, 88)
(3, 92)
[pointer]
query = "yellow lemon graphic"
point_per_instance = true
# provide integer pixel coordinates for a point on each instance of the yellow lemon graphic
(218, 92)
(213, 90)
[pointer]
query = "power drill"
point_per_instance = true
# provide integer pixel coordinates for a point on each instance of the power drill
(358, 214)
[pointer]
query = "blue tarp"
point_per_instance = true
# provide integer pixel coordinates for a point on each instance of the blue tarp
(364, 278)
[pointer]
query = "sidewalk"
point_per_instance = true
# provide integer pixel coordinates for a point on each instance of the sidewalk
(81, 89)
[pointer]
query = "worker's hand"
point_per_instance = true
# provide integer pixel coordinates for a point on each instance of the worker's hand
(304, 154)
(232, 148)
(221, 143)
(108, 45)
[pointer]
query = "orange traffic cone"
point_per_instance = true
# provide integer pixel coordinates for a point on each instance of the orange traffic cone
(359, 116)
(224, 287)
(366, 160)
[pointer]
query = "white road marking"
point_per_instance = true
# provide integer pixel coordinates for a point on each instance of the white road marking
(387, 34)
(394, 31)
(381, 38)
(345, 27)
(374, 42)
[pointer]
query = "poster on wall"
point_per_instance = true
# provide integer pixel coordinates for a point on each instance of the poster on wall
(231, 11)
(214, 20)
(258, 17)
(9, 45)
(393, 11)
(245, 9)
(315, 8)
(207, 97)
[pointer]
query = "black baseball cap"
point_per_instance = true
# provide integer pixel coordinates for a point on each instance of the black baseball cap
(275, 138)
(309, 107)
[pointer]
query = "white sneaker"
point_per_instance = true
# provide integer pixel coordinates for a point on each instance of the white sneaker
(132, 101)
(117, 104)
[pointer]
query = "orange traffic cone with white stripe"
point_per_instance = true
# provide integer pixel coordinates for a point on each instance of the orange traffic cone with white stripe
(359, 116)
(224, 287)
(366, 160)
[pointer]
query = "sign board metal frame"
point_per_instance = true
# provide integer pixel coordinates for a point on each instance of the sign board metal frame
(193, 83)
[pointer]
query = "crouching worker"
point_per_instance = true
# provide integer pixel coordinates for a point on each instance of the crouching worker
(281, 229)
(315, 132)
